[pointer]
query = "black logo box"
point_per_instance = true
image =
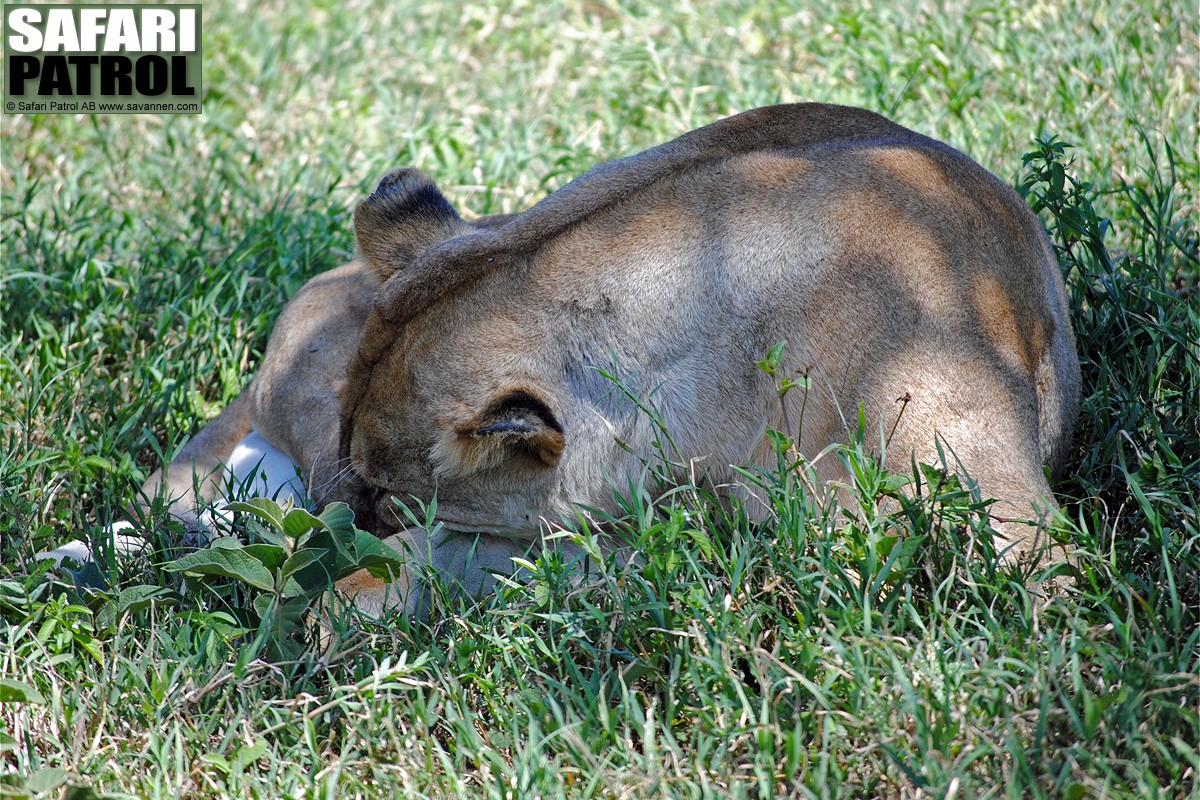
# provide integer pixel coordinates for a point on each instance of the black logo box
(154, 62)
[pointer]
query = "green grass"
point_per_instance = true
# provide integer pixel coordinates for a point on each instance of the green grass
(144, 260)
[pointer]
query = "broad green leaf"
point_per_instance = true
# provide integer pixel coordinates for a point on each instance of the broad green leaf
(787, 384)
(381, 560)
(267, 510)
(286, 648)
(280, 622)
(770, 363)
(293, 609)
(297, 522)
(248, 754)
(89, 577)
(779, 440)
(269, 555)
(225, 561)
(293, 588)
(218, 621)
(137, 598)
(367, 544)
(339, 548)
(269, 535)
(12, 691)
(226, 543)
(264, 605)
(316, 575)
(99, 462)
(45, 780)
(339, 520)
(132, 600)
(381, 567)
(290, 610)
(894, 483)
(301, 559)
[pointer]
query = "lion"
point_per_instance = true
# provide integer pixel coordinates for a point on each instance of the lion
(503, 366)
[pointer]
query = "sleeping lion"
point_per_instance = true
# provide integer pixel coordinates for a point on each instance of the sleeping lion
(474, 361)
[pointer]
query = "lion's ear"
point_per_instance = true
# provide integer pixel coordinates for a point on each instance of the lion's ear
(405, 216)
(516, 425)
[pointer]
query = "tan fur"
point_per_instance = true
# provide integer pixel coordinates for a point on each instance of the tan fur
(894, 267)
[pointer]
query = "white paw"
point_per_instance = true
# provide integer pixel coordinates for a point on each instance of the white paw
(258, 469)
(81, 553)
